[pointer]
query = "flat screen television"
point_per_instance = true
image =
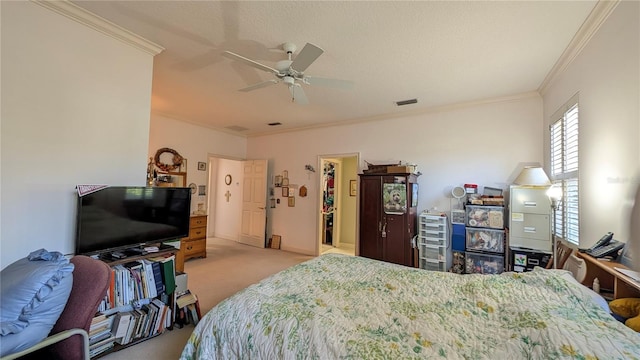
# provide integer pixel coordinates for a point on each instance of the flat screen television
(121, 217)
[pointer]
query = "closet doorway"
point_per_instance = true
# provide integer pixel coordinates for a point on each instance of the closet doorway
(338, 205)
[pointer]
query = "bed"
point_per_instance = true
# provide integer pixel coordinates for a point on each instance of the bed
(344, 307)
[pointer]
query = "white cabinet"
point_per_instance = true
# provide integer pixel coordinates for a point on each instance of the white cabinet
(530, 219)
(434, 242)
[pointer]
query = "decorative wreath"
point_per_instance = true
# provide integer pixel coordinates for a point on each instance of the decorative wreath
(177, 160)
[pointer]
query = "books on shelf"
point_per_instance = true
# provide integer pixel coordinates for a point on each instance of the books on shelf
(135, 281)
(138, 304)
(101, 338)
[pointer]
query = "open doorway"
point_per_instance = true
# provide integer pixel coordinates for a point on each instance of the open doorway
(224, 199)
(337, 211)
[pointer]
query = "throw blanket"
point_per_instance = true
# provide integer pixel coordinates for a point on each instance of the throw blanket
(344, 307)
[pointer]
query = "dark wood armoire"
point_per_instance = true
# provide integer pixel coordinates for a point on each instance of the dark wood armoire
(388, 216)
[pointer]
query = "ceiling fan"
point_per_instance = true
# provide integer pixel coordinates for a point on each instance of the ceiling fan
(291, 72)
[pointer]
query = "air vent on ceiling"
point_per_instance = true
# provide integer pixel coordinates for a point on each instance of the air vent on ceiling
(274, 124)
(237, 128)
(406, 102)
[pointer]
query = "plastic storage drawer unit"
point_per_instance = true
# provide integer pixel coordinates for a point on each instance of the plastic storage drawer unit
(485, 216)
(485, 240)
(434, 243)
(480, 263)
(432, 265)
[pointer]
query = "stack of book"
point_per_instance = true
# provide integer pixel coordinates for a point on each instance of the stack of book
(188, 309)
(100, 337)
(149, 320)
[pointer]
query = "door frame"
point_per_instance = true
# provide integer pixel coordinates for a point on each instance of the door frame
(337, 219)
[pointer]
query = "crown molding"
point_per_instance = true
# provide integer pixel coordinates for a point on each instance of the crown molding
(590, 26)
(84, 17)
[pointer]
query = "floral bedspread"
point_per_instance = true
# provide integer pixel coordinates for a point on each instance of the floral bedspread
(344, 307)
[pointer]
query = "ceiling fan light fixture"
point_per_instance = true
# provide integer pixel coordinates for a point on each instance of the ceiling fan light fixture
(406, 102)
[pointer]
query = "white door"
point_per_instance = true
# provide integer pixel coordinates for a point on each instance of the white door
(254, 203)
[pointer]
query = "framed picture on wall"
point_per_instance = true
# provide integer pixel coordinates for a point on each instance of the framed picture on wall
(292, 201)
(285, 191)
(277, 181)
(202, 166)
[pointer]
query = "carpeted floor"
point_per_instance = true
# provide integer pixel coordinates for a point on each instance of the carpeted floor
(228, 268)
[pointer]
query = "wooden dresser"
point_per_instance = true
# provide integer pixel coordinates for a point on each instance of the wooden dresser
(196, 244)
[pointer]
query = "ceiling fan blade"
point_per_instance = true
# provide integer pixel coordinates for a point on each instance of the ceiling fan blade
(259, 85)
(307, 55)
(298, 95)
(249, 62)
(333, 83)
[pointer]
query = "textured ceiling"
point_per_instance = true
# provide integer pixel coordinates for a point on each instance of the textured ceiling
(439, 52)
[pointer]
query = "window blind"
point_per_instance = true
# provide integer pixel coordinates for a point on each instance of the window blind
(564, 171)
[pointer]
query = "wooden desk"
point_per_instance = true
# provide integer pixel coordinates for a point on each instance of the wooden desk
(610, 279)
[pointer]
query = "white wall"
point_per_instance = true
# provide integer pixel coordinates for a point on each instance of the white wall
(196, 144)
(607, 77)
(75, 110)
(484, 144)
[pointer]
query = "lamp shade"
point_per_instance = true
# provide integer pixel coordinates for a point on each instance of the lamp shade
(532, 175)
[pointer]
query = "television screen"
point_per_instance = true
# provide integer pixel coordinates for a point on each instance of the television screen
(125, 216)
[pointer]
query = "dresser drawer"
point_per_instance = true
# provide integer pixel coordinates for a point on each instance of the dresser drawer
(197, 221)
(197, 233)
(194, 247)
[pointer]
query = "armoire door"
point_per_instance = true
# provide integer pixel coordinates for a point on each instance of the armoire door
(370, 216)
(395, 247)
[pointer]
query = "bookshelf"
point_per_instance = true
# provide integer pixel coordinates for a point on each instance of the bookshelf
(140, 303)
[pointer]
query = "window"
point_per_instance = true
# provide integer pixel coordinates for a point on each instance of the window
(564, 170)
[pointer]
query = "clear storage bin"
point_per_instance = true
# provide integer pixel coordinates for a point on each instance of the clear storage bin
(485, 240)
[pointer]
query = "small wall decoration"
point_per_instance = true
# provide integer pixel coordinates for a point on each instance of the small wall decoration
(202, 190)
(227, 179)
(292, 191)
(277, 181)
(285, 181)
(353, 187)
(292, 201)
(202, 166)
(285, 191)
(303, 191)
(176, 160)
